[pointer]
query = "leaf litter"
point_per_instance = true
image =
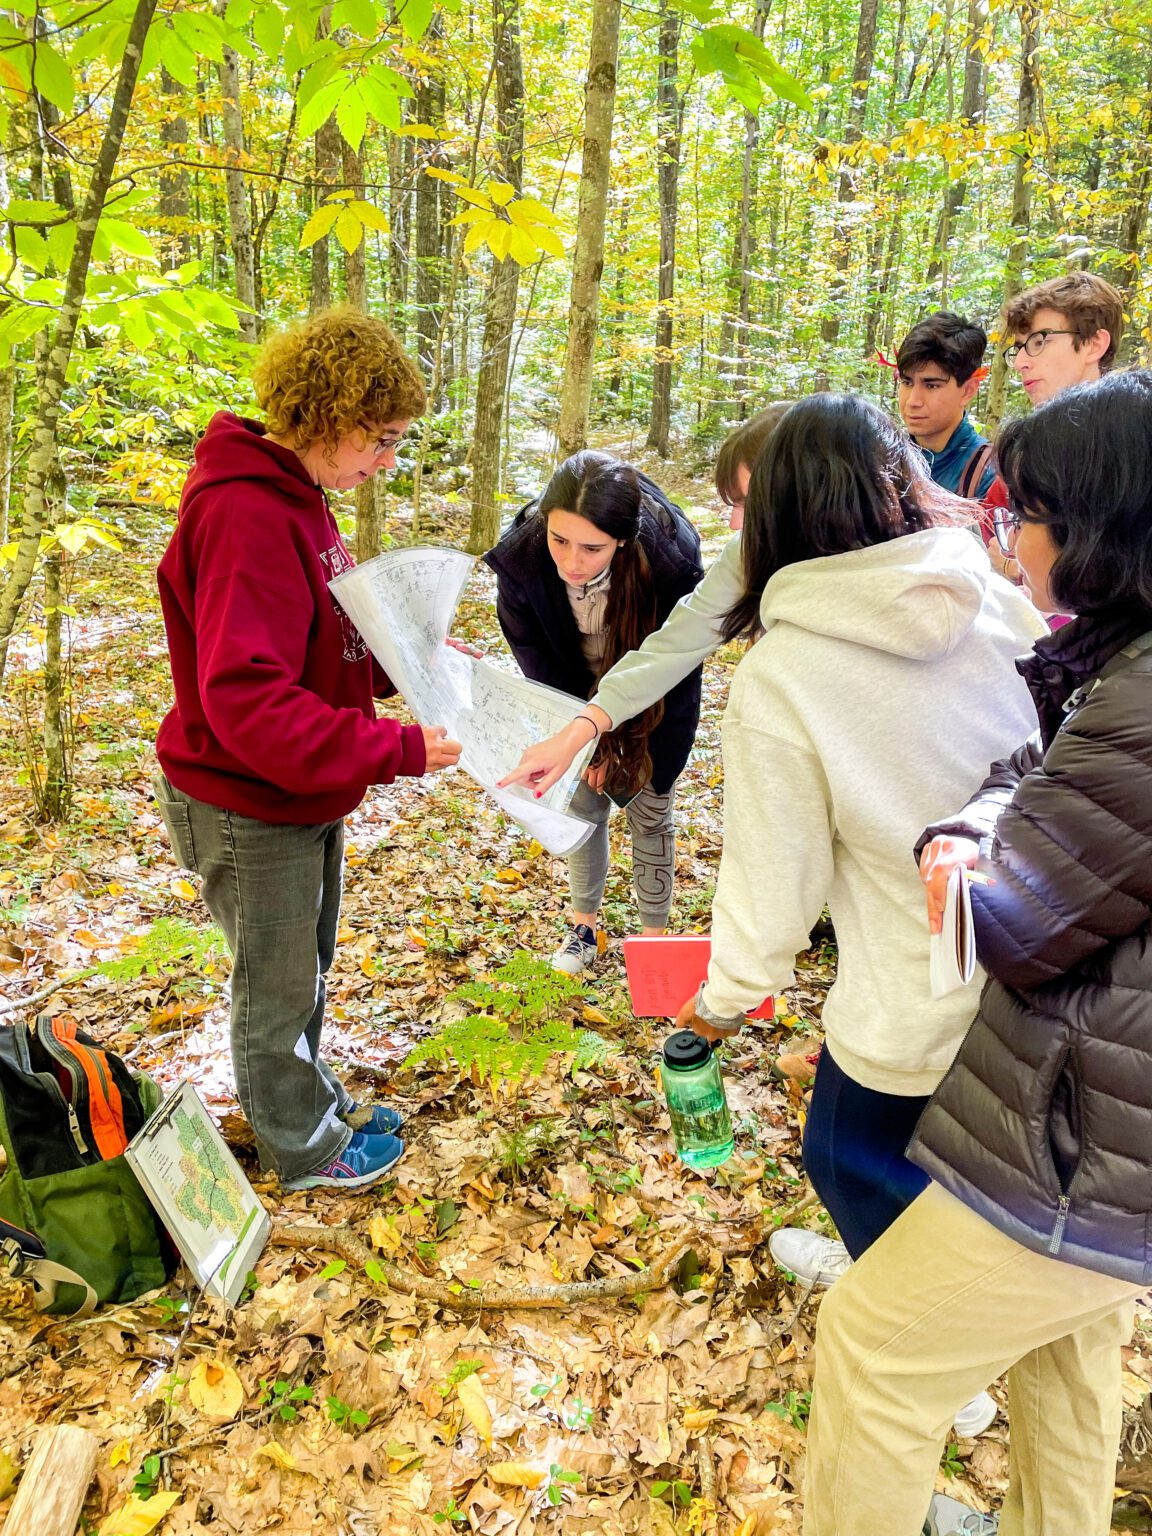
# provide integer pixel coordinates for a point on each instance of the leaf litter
(330, 1401)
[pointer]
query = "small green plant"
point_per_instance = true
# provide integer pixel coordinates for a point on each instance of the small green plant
(283, 1397)
(456, 1375)
(543, 1388)
(344, 1416)
(577, 1414)
(795, 1407)
(170, 1308)
(451, 1511)
(677, 1493)
(521, 1146)
(145, 1481)
(169, 945)
(950, 1463)
(557, 1477)
(517, 1027)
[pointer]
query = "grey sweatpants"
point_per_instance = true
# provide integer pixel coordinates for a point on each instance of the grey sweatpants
(275, 892)
(653, 853)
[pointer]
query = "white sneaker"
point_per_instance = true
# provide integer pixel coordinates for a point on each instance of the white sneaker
(975, 1417)
(809, 1256)
(948, 1517)
(577, 952)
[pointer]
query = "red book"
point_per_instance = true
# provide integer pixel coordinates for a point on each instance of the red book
(665, 970)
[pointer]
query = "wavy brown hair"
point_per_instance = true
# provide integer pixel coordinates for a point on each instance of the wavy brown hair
(608, 493)
(338, 372)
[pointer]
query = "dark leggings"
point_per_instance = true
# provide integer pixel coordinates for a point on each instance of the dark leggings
(854, 1144)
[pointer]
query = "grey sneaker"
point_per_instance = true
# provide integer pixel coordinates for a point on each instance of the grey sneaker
(948, 1517)
(809, 1256)
(577, 952)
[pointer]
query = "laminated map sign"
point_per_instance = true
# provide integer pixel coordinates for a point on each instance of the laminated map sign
(199, 1192)
(403, 603)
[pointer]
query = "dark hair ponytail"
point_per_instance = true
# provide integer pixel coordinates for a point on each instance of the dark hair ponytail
(835, 475)
(609, 494)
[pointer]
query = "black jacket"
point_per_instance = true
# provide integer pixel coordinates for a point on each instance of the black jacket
(536, 616)
(1044, 1123)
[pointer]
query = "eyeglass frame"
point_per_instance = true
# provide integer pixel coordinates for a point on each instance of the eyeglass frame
(1005, 525)
(1014, 351)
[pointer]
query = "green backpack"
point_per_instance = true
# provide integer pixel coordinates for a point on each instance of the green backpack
(73, 1217)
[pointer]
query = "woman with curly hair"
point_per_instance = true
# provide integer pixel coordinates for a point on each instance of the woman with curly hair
(273, 737)
(584, 574)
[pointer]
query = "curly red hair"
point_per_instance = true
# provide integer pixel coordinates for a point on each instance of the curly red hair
(338, 372)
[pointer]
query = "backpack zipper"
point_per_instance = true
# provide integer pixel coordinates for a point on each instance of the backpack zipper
(1061, 1223)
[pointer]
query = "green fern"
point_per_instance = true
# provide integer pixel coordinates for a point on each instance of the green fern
(169, 945)
(514, 1034)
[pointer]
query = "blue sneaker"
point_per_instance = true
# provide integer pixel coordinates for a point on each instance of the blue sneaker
(373, 1119)
(364, 1160)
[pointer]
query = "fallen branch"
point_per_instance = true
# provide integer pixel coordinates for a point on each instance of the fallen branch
(16, 1004)
(464, 1298)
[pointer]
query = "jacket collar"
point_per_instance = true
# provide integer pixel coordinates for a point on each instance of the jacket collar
(1073, 655)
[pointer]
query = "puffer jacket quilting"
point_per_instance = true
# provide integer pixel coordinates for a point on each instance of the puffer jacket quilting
(1044, 1123)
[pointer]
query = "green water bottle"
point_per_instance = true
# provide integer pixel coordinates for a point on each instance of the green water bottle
(697, 1106)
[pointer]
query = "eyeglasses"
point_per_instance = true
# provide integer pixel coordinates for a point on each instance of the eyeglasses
(1006, 525)
(1033, 344)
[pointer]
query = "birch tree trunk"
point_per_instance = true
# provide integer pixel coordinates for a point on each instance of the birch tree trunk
(588, 259)
(50, 387)
(846, 191)
(500, 307)
(972, 108)
(239, 215)
(668, 112)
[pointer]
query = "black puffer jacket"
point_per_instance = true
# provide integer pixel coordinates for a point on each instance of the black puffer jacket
(538, 624)
(1044, 1123)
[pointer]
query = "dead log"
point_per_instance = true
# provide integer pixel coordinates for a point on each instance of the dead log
(54, 1483)
(464, 1298)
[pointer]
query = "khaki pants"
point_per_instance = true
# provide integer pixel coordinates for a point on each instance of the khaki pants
(937, 1309)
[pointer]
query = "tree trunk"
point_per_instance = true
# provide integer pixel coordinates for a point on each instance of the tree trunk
(55, 793)
(239, 217)
(326, 144)
(1021, 201)
(588, 259)
(972, 108)
(846, 192)
(500, 308)
(50, 387)
(399, 210)
(55, 1482)
(429, 108)
(176, 247)
(668, 113)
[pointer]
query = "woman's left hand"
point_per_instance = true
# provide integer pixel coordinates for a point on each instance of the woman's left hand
(464, 648)
(688, 1018)
(594, 776)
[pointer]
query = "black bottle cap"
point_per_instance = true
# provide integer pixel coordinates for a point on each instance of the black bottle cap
(684, 1050)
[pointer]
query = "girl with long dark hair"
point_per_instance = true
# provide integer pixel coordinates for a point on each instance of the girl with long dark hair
(584, 575)
(883, 679)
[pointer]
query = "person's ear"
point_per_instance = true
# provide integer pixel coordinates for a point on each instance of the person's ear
(1095, 347)
(968, 389)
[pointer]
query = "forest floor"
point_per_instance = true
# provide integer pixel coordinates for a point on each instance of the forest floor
(344, 1405)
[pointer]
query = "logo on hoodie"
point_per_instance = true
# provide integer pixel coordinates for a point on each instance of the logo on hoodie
(336, 560)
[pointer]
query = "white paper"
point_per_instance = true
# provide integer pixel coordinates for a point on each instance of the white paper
(200, 1193)
(403, 602)
(952, 951)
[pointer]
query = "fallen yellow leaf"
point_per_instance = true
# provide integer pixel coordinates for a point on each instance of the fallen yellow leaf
(276, 1454)
(87, 938)
(516, 1474)
(414, 936)
(382, 1234)
(747, 1525)
(183, 888)
(592, 1015)
(9, 1471)
(215, 1389)
(509, 877)
(368, 965)
(535, 849)
(470, 1395)
(121, 1452)
(697, 1419)
(139, 1516)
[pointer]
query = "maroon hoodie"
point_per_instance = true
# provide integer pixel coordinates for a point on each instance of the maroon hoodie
(273, 715)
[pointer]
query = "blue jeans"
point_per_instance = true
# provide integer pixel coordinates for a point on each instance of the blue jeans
(275, 892)
(854, 1142)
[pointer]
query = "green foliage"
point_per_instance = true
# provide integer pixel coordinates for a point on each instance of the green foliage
(282, 1397)
(344, 1416)
(558, 1476)
(452, 1512)
(795, 1407)
(145, 1482)
(676, 1493)
(168, 946)
(950, 1463)
(459, 1372)
(513, 1034)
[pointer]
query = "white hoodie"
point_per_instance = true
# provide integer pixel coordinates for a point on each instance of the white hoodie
(880, 692)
